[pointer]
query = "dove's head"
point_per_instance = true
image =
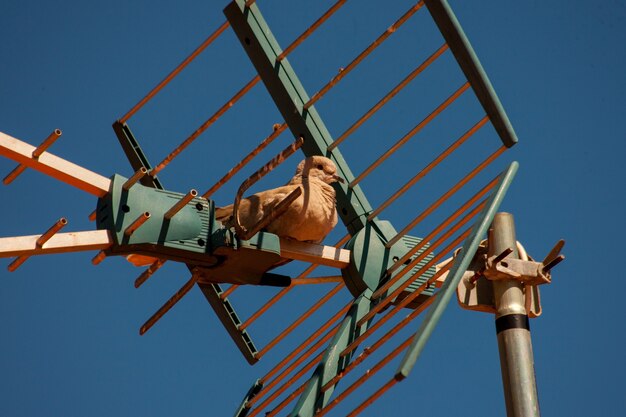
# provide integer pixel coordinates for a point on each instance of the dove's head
(318, 167)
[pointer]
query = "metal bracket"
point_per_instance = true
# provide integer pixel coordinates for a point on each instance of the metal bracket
(475, 291)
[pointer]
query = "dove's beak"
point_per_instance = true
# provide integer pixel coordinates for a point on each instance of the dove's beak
(338, 178)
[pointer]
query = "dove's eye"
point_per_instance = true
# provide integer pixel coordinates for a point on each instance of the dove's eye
(320, 167)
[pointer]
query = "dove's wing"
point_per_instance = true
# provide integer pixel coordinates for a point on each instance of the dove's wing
(253, 208)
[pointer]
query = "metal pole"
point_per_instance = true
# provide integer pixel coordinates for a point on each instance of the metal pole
(514, 342)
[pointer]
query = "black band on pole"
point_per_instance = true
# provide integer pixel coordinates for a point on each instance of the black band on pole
(512, 321)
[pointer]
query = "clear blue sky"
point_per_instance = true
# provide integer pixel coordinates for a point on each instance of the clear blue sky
(69, 342)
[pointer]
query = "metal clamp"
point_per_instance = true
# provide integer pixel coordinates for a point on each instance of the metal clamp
(527, 271)
(478, 295)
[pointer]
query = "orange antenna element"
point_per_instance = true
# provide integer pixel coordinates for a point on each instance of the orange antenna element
(141, 219)
(141, 172)
(389, 96)
(305, 345)
(310, 30)
(367, 351)
(447, 195)
(310, 351)
(169, 304)
(345, 71)
(57, 243)
(301, 319)
(410, 134)
(229, 103)
(278, 129)
(367, 375)
(169, 158)
(180, 204)
(451, 246)
(35, 155)
(229, 291)
(429, 167)
(175, 72)
(156, 265)
(39, 243)
(287, 384)
(317, 280)
(396, 309)
(284, 291)
(96, 260)
(56, 167)
(373, 397)
(287, 400)
(280, 208)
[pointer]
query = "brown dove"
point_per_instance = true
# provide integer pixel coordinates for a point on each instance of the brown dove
(309, 218)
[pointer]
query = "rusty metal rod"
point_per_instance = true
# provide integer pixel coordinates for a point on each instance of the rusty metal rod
(449, 220)
(141, 219)
(252, 179)
(389, 96)
(407, 257)
(175, 72)
(278, 129)
(204, 126)
(17, 262)
(379, 392)
(11, 176)
(168, 304)
(310, 30)
(286, 385)
(367, 351)
(307, 342)
(447, 195)
(272, 214)
(301, 319)
(156, 265)
(180, 204)
(41, 240)
(47, 142)
(368, 374)
(98, 258)
(56, 133)
(284, 291)
(467, 217)
(223, 109)
(271, 302)
(383, 303)
(365, 53)
(267, 388)
(141, 172)
(229, 291)
(396, 309)
(317, 280)
(429, 167)
(287, 400)
(51, 232)
(410, 134)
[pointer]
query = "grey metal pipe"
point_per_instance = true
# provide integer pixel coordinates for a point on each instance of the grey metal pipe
(514, 342)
